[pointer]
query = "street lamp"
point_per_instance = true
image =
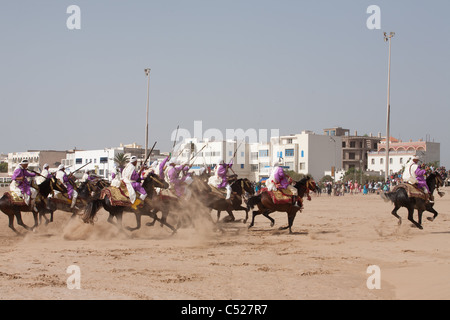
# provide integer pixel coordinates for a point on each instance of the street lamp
(147, 73)
(386, 39)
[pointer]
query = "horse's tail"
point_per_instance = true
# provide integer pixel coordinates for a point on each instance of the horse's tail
(91, 210)
(253, 201)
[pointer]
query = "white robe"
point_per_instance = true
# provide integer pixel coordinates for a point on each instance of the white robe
(126, 177)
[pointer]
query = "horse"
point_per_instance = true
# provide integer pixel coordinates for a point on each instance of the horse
(239, 189)
(400, 198)
(13, 210)
(149, 184)
(266, 205)
(87, 190)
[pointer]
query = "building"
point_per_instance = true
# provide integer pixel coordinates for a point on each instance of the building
(354, 148)
(36, 159)
(400, 152)
(102, 161)
(203, 154)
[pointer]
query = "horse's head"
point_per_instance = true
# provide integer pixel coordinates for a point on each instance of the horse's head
(57, 185)
(305, 185)
(152, 180)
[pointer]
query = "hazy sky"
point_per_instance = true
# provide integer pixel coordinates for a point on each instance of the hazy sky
(291, 65)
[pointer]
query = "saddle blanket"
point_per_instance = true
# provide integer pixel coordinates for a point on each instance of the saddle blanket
(15, 199)
(118, 196)
(412, 190)
(281, 196)
(60, 198)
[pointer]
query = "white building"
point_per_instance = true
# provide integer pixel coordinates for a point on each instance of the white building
(400, 152)
(36, 159)
(305, 153)
(203, 154)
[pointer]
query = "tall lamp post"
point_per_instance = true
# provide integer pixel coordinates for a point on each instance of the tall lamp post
(147, 73)
(386, 39)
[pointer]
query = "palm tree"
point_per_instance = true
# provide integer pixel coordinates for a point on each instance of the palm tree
(121, 159)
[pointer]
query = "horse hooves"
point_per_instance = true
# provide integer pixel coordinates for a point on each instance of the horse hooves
(272, 224)
(430, 219)
(150, 224)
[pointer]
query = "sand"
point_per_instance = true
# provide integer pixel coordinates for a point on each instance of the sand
(335, 240)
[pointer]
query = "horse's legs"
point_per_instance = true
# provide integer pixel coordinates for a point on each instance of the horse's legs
(20, 222)
(291, 216)
(138, 222)
(154, 216)
(266, 214)
(431, 209)
(11, 223)
(394, 213)
(411, 217)
(254, 213)
(218, 215)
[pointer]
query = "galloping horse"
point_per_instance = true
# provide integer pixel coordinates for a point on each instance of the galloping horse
(12, 210)
(87, 190)
(266, 205)
(149, 184)
(400, 198)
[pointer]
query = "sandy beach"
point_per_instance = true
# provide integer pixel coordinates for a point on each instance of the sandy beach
(335, 240)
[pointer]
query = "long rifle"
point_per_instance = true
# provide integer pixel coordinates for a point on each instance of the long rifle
(149, 154)
(72, 173)
(196, 155)
(175, 141)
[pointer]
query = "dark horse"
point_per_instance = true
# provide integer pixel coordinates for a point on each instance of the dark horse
(266, 206)
(151, 182)
(400, 199)
(239, 189)
(87, 190)
(11, 210)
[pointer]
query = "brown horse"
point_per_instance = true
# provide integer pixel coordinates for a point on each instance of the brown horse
(266, 206)
(13, 210)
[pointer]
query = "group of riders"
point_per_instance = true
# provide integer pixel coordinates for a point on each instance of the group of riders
(177, 175)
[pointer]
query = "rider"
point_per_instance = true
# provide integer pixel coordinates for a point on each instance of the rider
(422, 182)
(71, 192)
(132, 179)
(279, 180)
(21, 186)
(409, 174)
(220, 178)
(173, 175)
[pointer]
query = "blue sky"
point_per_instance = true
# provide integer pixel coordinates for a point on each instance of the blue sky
(290, 65)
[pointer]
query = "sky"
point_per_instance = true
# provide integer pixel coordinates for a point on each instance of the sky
(290, 65)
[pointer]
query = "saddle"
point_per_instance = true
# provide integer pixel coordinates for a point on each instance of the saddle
(118, 196)
(280, 196)
(412, 190)
(15, 199)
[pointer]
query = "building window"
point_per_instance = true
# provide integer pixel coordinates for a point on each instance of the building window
(373, 161)
(289, 141)
(254, 156)
(381, 160)
(289, 152)
(279, 154)
(289, 165)
(103, 159)
(242, 166)
(78, 161)
(302, 154)
(242, 153)
(254, 168)
(263, 153)
(351, 156)
(391, 161)
(343, 144)
(302, 166)
(352, 144)
(401, 160)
